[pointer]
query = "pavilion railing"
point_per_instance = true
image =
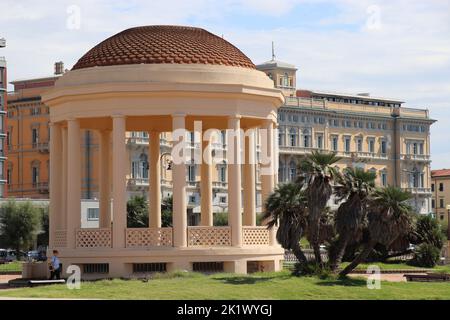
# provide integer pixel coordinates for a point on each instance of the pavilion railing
(148, 237)
(254, 236)
(60, 239)
(209, 236)
(93, 238)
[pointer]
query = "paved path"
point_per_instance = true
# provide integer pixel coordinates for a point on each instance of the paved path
(391, 277)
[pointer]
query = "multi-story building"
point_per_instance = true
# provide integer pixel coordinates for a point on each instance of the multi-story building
(373, 133)
(3, 108)
(28, 140)
(440, 187)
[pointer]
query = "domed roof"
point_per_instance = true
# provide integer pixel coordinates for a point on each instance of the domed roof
(164, 44)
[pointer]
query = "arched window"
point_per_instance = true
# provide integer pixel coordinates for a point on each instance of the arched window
(292, 171)
(281, 172)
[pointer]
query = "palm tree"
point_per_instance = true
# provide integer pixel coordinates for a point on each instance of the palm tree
(390, 217)
(354, 187)
(286, 207)
(319, 173)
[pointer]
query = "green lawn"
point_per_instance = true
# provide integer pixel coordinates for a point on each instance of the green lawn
(11, 267)
(279, 285)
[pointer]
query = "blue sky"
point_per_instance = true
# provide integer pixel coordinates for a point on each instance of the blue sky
(396, 48)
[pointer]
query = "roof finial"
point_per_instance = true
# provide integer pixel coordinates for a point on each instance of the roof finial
(273, 51)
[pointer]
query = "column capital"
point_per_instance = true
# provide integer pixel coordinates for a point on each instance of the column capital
(117, 116)
(235, 117)
(72, 119)
(179, 115)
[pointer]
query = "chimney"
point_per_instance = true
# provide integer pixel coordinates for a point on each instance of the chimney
(59, 67)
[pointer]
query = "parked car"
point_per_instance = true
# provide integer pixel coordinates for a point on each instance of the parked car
(3, 255)
(11, 255)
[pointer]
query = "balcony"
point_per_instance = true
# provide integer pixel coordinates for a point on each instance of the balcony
(298, 150)
(137, 140)
(367, 155)
(419, 191)
(415, 157)
(220, 185)
(137, 182)
(42, 147)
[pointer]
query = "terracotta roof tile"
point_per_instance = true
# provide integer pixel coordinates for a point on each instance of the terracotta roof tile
(440, 173)
(164, 44)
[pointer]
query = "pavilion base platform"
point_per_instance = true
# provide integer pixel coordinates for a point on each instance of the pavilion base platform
(133, 263)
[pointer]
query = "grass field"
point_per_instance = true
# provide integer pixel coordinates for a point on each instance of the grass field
(279, 285)
(11, 267)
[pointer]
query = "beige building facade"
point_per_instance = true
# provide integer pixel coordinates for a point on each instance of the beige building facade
(373, 133)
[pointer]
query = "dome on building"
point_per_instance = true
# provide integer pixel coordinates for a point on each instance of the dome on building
(164, 45)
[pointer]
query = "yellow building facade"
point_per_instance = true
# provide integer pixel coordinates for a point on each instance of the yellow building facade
(440, 186)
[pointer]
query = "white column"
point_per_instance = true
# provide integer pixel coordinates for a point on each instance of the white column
(154, 180)
(234, 181)
(250, 180)
(56, 209)
(206, 185)
(119, 182)
(105, 181)
(179, 185)
(73, 181)
(64, 179)
(268, 178)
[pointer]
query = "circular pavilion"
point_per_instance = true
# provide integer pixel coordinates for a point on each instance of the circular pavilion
(161, 79)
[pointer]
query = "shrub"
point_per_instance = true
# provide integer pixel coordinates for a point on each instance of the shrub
(221, 218)
(426, 256)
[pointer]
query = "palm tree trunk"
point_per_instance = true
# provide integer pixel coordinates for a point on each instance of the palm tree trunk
(297, 251)
(359, 258)
(336, 258)
(316, 244)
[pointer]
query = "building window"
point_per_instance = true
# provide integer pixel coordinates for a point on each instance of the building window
(433, 203)
(293, 138)
(34, 137)
(191, 173)
(441, 217)
(334, 143)
(432, 187)
(8, 176)
(281, 138)
(306, 140)
(92, 214)
(383, 147)
(384, 179)
(139, 167)
(223, 173)
(347, 144)
(371, 145)
(359, 145)
(320, 142)
(441, 203)
(292, 171)
(441, 187)
(35, 175)
(223, 199)
(192, 199)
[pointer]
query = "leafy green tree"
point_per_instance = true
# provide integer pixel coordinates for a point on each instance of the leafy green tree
(286, 207)
(390, 217)
(19, 223)
(354, 187)
(43, 235)
(320, 173)
(428, 230)
(166, 211)
(137, 212)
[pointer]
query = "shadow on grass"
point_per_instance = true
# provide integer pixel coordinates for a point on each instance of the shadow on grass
(344, 282)
(250, 279)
